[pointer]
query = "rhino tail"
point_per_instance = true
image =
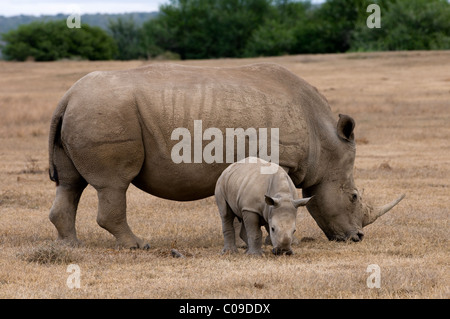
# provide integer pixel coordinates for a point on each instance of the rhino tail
(54, 139)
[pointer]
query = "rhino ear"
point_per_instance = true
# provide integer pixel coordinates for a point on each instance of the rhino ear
(271, 201)
(345, 127)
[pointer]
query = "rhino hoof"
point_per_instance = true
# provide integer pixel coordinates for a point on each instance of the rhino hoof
(145, 247)
(258, 253)
(229, 251)
(74, 243)
(278, 252)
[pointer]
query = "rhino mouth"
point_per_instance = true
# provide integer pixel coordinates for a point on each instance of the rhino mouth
(281, 251)
(355, 236)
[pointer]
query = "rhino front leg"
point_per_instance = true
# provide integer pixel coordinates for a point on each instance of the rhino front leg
(268, 240)
(112, 217)
(254, 233)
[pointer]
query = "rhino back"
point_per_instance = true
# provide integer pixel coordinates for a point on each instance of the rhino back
(243, 186)
(258, 96)
(156, 99)
(170, 96)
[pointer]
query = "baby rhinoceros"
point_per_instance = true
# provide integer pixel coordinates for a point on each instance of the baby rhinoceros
(244, 190)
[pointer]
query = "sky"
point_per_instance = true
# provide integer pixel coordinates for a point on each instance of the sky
(50, 7)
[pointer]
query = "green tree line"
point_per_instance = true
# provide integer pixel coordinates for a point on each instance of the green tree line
(53, 40)
(201, 29)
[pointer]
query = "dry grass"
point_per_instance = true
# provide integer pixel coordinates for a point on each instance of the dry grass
(401, 104)
(48, 253)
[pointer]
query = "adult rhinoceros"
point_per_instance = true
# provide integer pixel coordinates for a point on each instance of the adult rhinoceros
(115, 128)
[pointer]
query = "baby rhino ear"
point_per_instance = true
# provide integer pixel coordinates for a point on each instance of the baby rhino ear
(271, 201)
(301, 202)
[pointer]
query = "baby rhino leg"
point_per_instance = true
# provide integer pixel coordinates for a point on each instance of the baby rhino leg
(254, 233)
(228, 218)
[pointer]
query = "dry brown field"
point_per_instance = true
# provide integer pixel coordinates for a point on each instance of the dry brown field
(401, 104)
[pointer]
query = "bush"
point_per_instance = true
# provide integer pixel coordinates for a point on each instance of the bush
(407, 25)
(276, 35)
(157, 34)
(202, 29)
(197, 29)
(236, 28)
(272, 38)
(53, 40)
(128, 38)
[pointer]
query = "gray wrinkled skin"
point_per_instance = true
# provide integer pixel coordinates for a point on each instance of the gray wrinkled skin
(256, 199)
(114, 128)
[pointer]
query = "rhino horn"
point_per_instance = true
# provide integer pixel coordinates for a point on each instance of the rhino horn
(372, 214)
(301, 202)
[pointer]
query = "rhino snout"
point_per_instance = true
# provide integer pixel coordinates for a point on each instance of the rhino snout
(356, 236)
(281, 251)
(284, 247)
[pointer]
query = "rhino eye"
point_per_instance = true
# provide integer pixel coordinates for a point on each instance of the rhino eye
(354, 198)
(273, 228)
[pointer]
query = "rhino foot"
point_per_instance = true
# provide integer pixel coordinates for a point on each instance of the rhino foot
(278, 251)
(254, 252)
(240, 243)
(143, 247)
(133, 244)
(229, 251)
(71, 242)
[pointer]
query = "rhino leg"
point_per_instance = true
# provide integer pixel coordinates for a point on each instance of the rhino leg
(228, 218)
(254, 233)
(110, 168)
(268, 240)
(241, 234)
(112, 217)
(68, 192)
(63, 212)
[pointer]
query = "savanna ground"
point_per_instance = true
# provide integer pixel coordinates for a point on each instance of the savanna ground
(401, 104)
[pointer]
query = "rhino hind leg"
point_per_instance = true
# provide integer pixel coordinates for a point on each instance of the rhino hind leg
(241, 234)
(228, 218)
(63, 212)
(68, 192)
(110, 168)
(112, 217)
